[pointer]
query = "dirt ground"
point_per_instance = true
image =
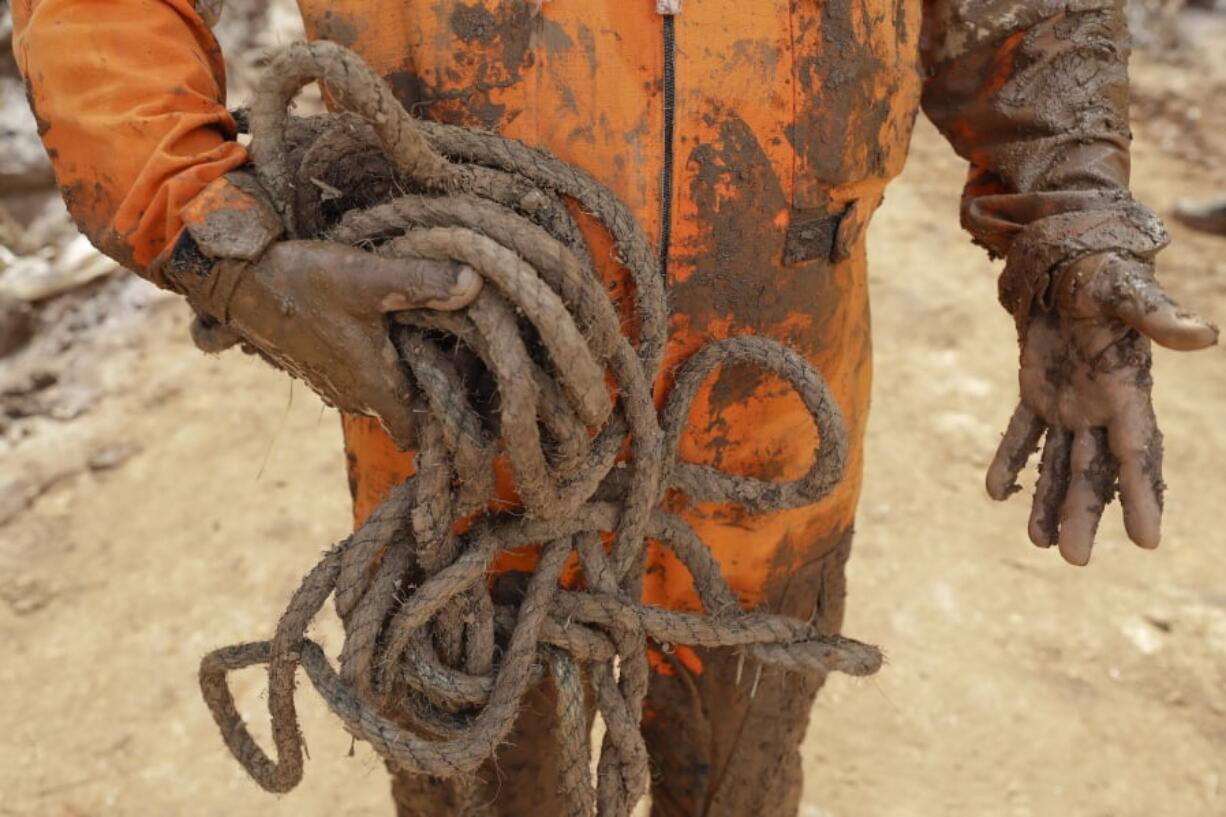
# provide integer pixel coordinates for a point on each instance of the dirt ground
(156, 504)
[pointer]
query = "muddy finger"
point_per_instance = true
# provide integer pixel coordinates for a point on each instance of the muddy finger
(432, 284)
(1050, 489)
(386, 395)
(1020, 441)
(1169, 325)
(1137, 443)
(1127, 290)
(1092, 476)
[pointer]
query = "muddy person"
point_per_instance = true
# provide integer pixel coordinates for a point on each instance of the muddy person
(753, 142)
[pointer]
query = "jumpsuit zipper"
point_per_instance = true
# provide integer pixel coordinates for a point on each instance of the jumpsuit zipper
(666, 174)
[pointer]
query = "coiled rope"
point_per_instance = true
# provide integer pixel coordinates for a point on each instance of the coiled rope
(434, 665)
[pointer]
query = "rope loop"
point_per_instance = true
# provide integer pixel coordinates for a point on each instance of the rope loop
(437, 658)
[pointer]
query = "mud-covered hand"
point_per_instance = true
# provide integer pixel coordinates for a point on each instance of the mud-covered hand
(318, 310)
(314, 308)
(1034, 94)
(1085, 385)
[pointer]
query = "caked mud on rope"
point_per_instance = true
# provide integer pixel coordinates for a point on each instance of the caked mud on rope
(434, 664)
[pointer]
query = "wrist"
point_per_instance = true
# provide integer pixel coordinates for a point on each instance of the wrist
(228, 226)
(1045, 257)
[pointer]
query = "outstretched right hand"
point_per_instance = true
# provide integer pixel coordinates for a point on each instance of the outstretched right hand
(1085, 384)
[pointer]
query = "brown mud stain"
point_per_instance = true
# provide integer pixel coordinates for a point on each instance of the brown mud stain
(492, 49)
(846, 99)
(736, 270)
(341, 30)
(489, 52)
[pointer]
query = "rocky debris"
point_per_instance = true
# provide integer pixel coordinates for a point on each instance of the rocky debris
(248, 31)
(244, 35)
(23, 164)
(112, 456)
(40, 394)
(16, 324)
(25, 595)
(54, 377)
(19, 492)
(52, 270)
(34, 221)
(42, 255)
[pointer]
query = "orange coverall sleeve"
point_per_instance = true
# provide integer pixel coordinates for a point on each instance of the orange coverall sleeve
(1034, 94)
(129, 96)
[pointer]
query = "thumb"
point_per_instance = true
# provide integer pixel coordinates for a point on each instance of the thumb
(384, 392)
(364, 281)
(416, 283)
(1155, 314)
(1126, 289)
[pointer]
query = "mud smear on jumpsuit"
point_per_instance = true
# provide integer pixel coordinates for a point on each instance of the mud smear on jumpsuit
(493, 47)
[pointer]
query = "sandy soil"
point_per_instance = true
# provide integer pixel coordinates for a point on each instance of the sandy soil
(180, 508)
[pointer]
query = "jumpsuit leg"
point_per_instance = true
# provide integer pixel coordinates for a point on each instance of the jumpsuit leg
(522, 782)
(717, 750)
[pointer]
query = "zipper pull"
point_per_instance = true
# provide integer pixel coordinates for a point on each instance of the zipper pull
(668, 7)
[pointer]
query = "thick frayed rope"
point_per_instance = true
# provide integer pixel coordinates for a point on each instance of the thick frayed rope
(435, 663)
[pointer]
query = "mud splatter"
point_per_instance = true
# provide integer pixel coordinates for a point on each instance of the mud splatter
(491, 50)
(342, 30)
(737, 257)
(837, 77)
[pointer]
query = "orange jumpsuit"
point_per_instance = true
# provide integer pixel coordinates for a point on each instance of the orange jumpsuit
(752, 140)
